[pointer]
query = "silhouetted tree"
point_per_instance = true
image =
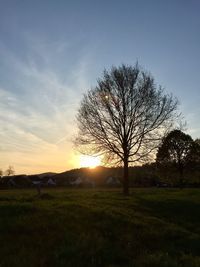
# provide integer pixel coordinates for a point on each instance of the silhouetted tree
(124, 117)
(197, 141)
(1, 173)
(179, 150)
(10, 171)
(194, 156)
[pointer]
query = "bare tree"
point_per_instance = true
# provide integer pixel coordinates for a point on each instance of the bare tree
(10, 171)
(124, 117)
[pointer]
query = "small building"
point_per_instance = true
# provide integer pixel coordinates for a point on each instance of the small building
(77, 181)
(82, 181)
(51, 182)
(112, 181)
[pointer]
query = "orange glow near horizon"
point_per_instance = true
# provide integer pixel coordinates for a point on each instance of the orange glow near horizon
(89, 161)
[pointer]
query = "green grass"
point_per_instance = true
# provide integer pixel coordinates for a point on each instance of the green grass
(151, 227)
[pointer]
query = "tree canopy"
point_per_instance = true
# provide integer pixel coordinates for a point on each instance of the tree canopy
(10, 171)
(178, 149)
(124, 117)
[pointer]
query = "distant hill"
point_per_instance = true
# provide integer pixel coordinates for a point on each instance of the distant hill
(139, 176)
(23, 180)
(98, 174)
(46, 174)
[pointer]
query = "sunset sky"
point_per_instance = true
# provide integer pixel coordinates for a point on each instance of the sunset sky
(51, 52)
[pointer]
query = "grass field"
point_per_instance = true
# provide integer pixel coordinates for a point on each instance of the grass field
(80, 227)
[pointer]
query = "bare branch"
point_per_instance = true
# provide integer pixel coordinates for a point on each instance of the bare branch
(125, 116)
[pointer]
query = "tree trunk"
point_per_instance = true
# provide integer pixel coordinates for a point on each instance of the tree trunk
(181, 177)
(180, 168)
(126, 178)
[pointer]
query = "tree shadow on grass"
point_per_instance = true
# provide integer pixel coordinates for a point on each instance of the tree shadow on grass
(184, 213)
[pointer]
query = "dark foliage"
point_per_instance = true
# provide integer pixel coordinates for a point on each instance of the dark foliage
(179, 151)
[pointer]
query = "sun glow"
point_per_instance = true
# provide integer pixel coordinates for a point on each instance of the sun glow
(89, 161)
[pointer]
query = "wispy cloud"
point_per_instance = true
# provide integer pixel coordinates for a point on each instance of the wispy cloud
(38, 106)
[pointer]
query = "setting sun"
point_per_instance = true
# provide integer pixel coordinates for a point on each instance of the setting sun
(89, 161)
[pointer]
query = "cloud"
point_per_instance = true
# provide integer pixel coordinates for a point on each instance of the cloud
(38, 105)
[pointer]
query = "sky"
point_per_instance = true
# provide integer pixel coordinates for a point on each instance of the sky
(52, 52)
